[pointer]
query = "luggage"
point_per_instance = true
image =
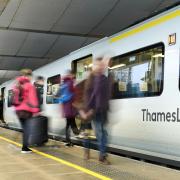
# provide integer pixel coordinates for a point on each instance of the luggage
(37, 129)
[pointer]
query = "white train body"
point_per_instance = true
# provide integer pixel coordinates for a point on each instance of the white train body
(130, 126)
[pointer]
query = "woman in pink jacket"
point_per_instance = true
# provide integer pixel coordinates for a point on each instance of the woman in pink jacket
(25, 102)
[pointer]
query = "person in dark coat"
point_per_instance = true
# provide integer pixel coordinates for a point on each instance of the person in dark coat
(97, 102)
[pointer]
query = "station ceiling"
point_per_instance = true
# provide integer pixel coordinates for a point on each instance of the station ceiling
(36, 32)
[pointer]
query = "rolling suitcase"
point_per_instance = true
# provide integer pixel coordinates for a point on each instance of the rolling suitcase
(37, 128)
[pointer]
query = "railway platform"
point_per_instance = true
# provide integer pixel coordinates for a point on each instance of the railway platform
(54, 161)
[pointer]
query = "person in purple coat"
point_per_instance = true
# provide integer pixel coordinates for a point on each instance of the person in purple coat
(66, 99)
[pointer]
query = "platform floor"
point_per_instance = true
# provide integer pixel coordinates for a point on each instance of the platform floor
(54, 161)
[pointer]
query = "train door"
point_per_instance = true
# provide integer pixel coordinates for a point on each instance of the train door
(82, 67)
(2, 99)
(39, 85)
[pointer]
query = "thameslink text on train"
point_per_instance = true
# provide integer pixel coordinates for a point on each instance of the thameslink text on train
(161, 116)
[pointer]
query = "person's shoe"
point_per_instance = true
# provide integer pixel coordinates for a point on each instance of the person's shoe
(75, 131)
(69, 144)
(82, 135)
(26, 150)
(104, 160)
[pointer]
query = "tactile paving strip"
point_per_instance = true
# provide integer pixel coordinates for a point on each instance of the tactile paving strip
(106, 170)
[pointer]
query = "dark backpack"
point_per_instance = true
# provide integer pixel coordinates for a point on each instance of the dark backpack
(16, 96)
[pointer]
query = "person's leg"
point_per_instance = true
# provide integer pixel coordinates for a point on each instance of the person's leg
(26, 134)
(101, 135)
(87, 141)
(68, 140)
(22, 121)
(103, 141)
(104, 134)
(74, 126)
(98, 130)
(23, 118)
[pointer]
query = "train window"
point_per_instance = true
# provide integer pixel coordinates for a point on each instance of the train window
(40, 91)
(53, 84)
(82, 67)
(139, 73)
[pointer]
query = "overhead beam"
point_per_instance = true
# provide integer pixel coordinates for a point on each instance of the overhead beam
(31, 57)
(51, 32)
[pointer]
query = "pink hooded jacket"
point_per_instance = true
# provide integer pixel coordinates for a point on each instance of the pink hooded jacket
(30, 102)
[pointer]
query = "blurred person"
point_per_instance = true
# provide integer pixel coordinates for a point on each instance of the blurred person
(25, 102)
(67, 93)
(97, 97)
(86, 131)
(39, 85)
(86, 127)
(79, 101)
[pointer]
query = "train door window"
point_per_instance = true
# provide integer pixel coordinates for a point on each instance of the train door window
(139, 73)
(10, 96)
(82, 67)
(2, 100)
(40, 90)
(53, 84)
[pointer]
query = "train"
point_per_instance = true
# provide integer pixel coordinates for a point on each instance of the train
(144, 115)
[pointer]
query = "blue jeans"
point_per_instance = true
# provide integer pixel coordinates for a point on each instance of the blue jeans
(101, 134)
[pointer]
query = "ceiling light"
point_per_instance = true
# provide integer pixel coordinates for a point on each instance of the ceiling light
(158, 55)
(90, 65)
(117, 66)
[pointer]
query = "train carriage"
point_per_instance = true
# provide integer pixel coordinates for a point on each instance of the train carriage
(144, 118)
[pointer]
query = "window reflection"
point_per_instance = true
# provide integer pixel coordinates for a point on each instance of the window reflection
(82, 67)
(53, 84)
(139, 73)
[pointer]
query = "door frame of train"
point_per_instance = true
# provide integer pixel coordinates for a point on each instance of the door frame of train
(3, 101)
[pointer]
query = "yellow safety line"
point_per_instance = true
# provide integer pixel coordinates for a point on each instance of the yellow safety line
(60, 160)
(146, 26)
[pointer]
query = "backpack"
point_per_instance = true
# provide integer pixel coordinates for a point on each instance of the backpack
(16, 96)
(65, 94)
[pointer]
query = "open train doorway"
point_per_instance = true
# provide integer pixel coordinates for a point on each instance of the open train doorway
(2, 99)
(82, 68)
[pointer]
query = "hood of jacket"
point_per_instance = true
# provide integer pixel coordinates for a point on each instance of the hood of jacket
(22, 79)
